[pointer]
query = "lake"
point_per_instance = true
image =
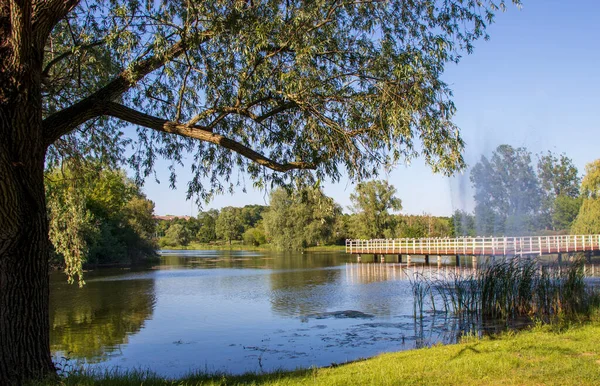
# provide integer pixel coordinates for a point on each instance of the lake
(238, 311)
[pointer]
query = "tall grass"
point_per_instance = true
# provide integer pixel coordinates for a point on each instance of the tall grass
(509, 290)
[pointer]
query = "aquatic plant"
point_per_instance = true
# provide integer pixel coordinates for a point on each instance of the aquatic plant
(508, 290)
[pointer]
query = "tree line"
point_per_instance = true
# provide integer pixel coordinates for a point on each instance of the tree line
(99, 216)
(515, 195)
(297, 219)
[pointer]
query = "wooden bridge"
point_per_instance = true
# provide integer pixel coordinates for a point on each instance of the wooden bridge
(476, 246)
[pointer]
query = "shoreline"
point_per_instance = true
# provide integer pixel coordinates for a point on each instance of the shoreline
(244, 247)
(561, 354)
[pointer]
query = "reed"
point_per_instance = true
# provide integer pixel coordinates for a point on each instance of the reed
(509, 290)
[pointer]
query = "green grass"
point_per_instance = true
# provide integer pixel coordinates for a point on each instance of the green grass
(541, 356)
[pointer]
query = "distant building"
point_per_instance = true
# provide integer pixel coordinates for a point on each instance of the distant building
(171, 217)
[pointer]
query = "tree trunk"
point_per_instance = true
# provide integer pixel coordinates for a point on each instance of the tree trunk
(24, 244)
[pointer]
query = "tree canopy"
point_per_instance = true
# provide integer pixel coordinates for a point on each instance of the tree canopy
(300, 218)
(371, 201)
(229, 224)
(511, 198)
(507, 192)
(283, 85)
(559, 183)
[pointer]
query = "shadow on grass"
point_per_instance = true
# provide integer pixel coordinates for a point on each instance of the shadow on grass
(147, 378)
(470, 348)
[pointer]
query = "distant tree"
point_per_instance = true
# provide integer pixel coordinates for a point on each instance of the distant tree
(371, 202)
(564, 212)
(192, 224)
(208, 222)
(425, 225)
(176, 235)
(439, 226)
(558, 178)
(342, 229)
(590, 185)
(229, 225)
(462, 224)
(252, 214)
(413, 229)
(255, 236)
(507, 192)
(299, 219)
(588, 219)
(161, 227)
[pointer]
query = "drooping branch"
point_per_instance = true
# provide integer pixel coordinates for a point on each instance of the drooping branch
(69, 118)
(201, 133)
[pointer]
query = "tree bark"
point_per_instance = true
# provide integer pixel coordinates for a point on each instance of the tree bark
(24, 251)
(24, 243)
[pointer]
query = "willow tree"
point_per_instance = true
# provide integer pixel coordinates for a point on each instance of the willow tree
(273, 90)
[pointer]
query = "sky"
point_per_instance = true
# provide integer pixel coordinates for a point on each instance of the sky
(534, 84)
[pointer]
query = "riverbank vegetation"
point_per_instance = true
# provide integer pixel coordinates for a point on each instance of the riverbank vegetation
(543, 355)
(98, 217)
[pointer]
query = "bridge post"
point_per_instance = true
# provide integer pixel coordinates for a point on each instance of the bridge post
(383, 258)
(474, 261)
(358, 259)
(588, 256)
(439, 261)
(559, 258)
(457, 260)
(400, 258)
(408, 260)
(426, 259)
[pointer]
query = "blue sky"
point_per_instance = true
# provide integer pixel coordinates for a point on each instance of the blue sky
(535, 83)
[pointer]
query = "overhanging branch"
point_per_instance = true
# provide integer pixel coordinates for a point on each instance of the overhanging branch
(135, 117)
(64, 121)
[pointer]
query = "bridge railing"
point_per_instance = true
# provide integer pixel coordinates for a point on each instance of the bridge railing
(477, 245)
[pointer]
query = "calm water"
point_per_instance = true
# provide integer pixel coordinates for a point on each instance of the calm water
(234, 312)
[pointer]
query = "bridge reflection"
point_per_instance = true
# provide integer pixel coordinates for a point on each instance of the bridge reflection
(365, 273)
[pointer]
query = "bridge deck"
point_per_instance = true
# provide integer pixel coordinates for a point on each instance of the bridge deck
(493, 246)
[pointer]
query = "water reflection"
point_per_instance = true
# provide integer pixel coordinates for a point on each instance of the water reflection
(90, 323)
(303, 291)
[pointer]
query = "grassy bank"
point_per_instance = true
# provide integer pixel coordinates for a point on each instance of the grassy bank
(236, 246)
(541, 356)
(220, 247)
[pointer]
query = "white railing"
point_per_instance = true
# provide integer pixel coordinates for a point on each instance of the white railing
(528, 245)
